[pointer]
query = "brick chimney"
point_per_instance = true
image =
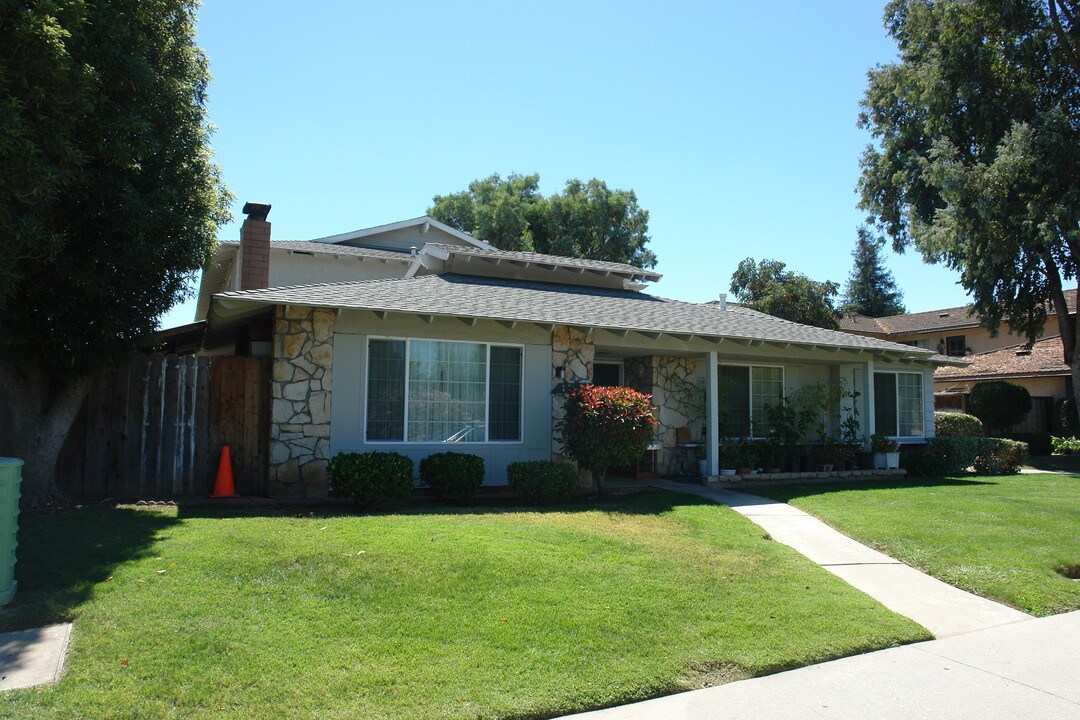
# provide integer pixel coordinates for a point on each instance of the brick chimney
(254, 258)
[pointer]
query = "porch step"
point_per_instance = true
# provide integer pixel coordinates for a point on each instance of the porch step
(765, 478)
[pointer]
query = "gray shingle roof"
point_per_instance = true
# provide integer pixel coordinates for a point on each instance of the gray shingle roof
(556, 260)
(470, 296)
(305, 246)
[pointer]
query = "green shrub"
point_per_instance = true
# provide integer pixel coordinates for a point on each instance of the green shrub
(606, 427)
(955, 424)
(1000, 404)
(371, 476)
(541, 481)
(453, 476)
(1004, 458)
(948, 455)
(1070, 424)
(1065, 445)
(1038, 443)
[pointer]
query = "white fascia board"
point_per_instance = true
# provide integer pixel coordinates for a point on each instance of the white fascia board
(413, 222)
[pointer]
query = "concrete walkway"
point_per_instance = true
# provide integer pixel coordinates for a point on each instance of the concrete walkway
(941, 608)
(33, 657)
(1024, 670)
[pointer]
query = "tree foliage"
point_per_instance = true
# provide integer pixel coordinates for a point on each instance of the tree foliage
(977, 163)
(871, 289)
(606, 427)
(768, 287)
(109, 198)
(586, 220)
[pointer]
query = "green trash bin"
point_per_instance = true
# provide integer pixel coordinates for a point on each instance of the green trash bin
(10, 477)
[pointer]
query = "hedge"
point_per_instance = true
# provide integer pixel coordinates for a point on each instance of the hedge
(370, 477)
(541, 481)
(955, 424)
(452, 476)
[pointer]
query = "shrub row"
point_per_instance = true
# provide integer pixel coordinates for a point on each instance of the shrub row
(952, 455)
(1065, 445)
(369, 477)
(956, 424)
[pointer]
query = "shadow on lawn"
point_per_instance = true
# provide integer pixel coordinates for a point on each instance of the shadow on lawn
(640, 503)
(786, 492)
(63, 554)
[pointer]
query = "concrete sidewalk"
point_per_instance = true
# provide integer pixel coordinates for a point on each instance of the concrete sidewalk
(941, 608)
(33, 657)
(1028, 669)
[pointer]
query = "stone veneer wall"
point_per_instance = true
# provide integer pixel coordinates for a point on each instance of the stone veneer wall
(574, 351)
(301, 391)
(654, 374)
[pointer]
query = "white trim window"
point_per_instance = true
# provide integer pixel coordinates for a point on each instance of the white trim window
(745, 393)
(898, 404)
(436, 391)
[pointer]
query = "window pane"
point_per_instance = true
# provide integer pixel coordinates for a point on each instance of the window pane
(447, 391)
(767, 389)
(734, 396)
(910, 400)
(386, 390)
(504, 394)
(885, 403)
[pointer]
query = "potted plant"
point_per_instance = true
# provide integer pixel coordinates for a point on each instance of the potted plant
(728, 452)
(769, 454)
(886, 451)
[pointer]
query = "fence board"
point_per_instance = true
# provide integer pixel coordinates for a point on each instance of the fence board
(155, 428)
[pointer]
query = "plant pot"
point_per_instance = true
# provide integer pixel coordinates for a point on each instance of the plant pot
(727, 472)
(703, 467)
(742, 471)
(880, 462)
(892, 460)
(773, 470)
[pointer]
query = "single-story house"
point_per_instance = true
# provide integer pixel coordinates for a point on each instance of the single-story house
(416, 337)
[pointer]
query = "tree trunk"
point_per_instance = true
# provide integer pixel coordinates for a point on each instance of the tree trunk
(41, 412)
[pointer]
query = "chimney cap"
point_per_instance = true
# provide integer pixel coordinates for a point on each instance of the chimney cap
(256, 210)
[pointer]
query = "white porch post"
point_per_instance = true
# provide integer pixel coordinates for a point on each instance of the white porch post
(870, 426)
(712, 415)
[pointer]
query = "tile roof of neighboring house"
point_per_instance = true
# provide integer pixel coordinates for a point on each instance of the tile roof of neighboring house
(944, 319)
(1046, 358)
(552, 260)
(469, 296)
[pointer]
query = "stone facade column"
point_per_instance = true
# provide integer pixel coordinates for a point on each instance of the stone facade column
(572, 354)
(664, 378)
(301, 392)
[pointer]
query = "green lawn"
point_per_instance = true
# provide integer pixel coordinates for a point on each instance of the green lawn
(434, 613)
(1001, 537)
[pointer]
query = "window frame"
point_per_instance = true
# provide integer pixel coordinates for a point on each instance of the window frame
(750, 393)
(963, 345)
(487, 394)
(896, 398)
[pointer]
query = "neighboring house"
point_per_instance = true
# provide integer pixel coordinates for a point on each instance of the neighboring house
(957, 333)
(1041, 369)
(420, 338)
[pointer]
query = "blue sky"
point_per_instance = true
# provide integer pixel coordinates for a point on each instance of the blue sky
(733, 122)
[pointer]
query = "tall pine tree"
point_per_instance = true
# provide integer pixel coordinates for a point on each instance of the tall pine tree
(871, 289)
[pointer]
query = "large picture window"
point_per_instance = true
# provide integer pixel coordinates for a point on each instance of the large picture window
(898, 404)
(434, 391)
(745, 393)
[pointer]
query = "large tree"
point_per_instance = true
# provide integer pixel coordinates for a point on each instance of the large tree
(977, 162)
(109, 200)
(586, 220)
(871, 289)
(768, 287)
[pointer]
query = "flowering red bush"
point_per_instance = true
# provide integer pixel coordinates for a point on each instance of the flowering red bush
(606, 427)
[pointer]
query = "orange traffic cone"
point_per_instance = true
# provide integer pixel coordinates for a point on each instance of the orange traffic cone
(224, 488)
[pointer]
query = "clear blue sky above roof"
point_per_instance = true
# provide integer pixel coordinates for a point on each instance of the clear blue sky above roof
(733, 122)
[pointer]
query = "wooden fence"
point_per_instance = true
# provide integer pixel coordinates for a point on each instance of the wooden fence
(155, 427)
